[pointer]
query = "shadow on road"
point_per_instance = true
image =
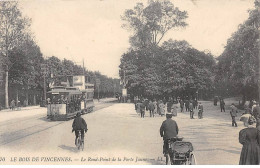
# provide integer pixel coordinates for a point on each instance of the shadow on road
(69, 148)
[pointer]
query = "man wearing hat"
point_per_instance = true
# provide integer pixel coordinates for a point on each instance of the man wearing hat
(79, 124)
(169, 129)
(200, 113)
(233, 114)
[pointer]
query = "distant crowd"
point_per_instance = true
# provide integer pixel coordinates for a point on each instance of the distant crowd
(163, 106)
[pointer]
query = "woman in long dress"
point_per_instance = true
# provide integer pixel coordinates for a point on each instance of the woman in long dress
(250, 139)
(155, 106)
(162, 108)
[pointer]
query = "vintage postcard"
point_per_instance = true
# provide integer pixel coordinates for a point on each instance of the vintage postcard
(129, 82)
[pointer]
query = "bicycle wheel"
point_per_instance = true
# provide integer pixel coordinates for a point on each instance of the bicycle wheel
(78, 143)
(192, 160)
(167, 158)
(82, 145)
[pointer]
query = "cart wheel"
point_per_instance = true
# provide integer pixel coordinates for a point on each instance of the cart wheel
(192, 160)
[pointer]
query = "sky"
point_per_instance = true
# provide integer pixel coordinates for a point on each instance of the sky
(90, 30)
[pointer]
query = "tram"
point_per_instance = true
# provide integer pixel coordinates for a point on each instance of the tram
(64, 102)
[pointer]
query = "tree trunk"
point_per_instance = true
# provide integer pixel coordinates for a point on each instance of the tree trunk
(6, 90)
(34, 99)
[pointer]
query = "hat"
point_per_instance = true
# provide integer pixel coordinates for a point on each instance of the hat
(168, 113)
(78, 114)
(251, 120)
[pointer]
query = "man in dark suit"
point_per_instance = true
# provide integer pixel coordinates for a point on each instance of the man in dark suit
(79, 124)
(222, 105)
(169, 129)
(142, 109)
(187, 103)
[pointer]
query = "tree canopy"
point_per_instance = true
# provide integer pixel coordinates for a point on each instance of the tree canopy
(149, 24)
(238, 65)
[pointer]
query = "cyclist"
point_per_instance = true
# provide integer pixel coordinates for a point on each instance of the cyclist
(169, 129)
(79, 124)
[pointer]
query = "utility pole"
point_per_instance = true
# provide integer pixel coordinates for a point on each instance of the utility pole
(44, 71)
(258, 81)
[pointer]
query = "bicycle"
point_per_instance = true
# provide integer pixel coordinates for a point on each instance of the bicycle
(79, 141)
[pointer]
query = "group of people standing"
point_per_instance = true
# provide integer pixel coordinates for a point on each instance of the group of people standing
(190, 106)
(161, 107)
(154, 107)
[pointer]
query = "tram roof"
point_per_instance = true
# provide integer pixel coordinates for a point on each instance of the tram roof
(57, 91)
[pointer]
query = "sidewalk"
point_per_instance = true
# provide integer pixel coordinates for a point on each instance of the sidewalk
(31, 111)
(22, 109)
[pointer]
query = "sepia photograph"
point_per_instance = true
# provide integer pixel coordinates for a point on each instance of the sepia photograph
(129, 82)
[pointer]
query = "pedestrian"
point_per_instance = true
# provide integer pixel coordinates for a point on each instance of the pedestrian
(191, 110)
(12, 105)
(254, 105)
(18, 105)
(250, 104)
(194, 103)
(164, 100)
(187, 103)
(161, 108)
(247, 110)
(138, 107)
(151, 108)
(250, 139)
(146, 103)
(181, 105)
(142, 109)
(169, 105)
(174, 109)
(200, 113)
(233, 114)
(256, 114)
(155, 106)
(215, 100)
(222, 105)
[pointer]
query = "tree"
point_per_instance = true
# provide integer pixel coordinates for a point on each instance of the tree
(239, 63)
(174, 44)
(150, 24)
(12, 27)
(173, 69)
(25, 73)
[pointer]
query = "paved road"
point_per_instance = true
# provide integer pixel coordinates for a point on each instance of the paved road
(117, 135)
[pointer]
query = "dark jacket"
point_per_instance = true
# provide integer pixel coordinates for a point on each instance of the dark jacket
(79, 124)
(233, 111)
(200, 107)
(222, 103)
(191, 107)
(169, 129)
(142, 107)
(151, 106)
(187, 103)
(256, 114)
(169, 106)
(250, 139)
